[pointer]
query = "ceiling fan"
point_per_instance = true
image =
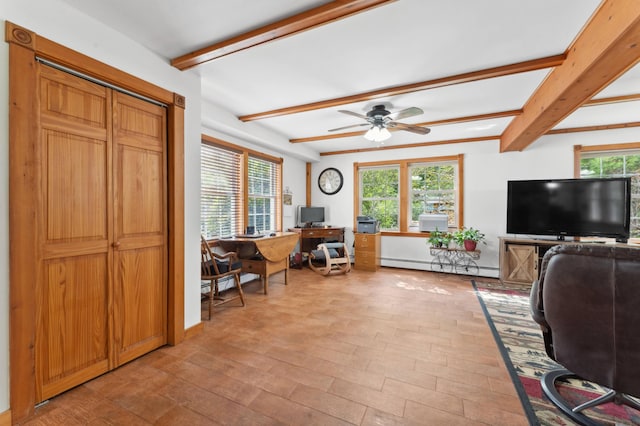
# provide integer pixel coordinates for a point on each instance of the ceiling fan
(379, 120)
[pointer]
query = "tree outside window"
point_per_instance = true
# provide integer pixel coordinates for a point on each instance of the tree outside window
(380, 195)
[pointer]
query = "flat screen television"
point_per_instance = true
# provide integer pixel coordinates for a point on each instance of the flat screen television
(309, 216)
(570, 207)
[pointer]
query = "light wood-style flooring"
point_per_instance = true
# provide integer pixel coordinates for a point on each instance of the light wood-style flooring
(394, 347)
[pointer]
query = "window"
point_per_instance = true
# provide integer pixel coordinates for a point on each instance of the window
(380, 197)
(264, 181)
(220, 191)
(239, 187)
(397, 192)
(433, 190)
(602, 162)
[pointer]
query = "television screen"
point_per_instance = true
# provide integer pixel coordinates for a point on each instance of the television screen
(570, 207)
(310, 215)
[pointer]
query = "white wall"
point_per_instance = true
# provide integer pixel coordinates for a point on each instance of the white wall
(58, 22)
(486, 173)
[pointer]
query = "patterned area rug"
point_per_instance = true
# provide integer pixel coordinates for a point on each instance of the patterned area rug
(520, 340)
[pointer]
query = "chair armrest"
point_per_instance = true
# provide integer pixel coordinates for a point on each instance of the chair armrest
(232, 256)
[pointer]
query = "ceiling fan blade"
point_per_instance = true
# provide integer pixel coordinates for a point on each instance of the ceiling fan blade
(408, 112)
(349, 127)
(410, 128)
(355, 114)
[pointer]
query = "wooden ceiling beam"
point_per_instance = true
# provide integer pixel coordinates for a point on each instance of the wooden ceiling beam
(607, 47)
(532, 65)
(412, 145)
(594, 128)
(300, 22)
(454, 120)
(613, 100)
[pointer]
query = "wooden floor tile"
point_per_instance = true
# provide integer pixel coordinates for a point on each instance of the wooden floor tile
(394, 347)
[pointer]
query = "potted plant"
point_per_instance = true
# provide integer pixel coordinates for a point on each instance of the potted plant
(439, 239)
(468, 238)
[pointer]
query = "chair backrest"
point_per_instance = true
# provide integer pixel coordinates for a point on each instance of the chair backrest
(208, 265)
(589, 298)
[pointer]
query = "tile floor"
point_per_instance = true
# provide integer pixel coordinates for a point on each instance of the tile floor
(395, 347)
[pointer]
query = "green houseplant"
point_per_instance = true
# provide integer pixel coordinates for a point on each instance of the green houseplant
(439, 239)
(468, 238)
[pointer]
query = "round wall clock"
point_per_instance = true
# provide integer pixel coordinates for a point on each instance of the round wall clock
(330, 181)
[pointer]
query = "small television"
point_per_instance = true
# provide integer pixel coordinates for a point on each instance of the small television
(310, 216)
(570, 207)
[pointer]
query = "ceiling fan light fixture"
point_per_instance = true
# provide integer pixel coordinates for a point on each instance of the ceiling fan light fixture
(377, 134)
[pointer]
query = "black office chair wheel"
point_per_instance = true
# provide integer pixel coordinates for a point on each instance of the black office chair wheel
(548, 383)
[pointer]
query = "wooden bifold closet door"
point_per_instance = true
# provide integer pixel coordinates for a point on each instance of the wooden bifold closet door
(101, 292)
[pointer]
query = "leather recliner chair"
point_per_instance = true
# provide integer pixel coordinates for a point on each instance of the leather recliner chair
(587, 302)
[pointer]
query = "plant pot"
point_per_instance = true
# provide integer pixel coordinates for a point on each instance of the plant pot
(470, 245)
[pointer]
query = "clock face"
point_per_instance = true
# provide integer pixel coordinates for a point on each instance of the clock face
(330, 181)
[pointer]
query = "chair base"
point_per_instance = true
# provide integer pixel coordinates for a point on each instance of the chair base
(214, 299)
(326, 265)
(548, 383)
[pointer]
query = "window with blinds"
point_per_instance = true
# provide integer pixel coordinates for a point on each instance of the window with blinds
(221, 206)
(264, 183)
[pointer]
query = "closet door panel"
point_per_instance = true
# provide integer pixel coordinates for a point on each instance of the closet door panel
(73, 296)
(72, 322)
(141, 195)
(139, 308)
(140, 255)
(76, 175)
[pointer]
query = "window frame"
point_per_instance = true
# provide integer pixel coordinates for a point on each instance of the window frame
(405, 190)
(243, 174)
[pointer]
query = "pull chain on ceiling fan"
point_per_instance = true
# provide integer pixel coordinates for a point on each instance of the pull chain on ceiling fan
(380, 120)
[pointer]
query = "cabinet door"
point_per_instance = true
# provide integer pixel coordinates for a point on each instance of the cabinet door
(521, 264)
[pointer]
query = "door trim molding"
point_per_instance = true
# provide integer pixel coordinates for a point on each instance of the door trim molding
(24, 178)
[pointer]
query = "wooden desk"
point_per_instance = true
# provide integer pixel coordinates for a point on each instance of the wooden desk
(263, 256)
(309, 238)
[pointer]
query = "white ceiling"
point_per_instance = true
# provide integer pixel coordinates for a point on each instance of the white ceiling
(398, 43)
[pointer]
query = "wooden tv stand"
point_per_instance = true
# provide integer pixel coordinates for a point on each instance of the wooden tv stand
(521, 258)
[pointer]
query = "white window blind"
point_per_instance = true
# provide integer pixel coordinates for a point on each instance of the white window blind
(221, 207)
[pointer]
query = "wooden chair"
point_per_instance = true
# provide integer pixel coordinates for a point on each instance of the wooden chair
(330, 258)
(213, 268)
